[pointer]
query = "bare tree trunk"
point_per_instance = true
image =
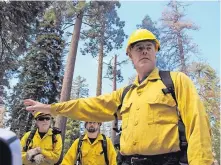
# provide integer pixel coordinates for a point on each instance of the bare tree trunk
(113, 133)
(100, 63)
(182, 57)
(100, 68)
(180, 45)
(68, 75)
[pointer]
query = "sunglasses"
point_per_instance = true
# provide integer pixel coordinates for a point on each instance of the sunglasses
(43, 118)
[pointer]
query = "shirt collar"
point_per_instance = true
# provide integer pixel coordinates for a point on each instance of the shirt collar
(99, 137)
(154, 75)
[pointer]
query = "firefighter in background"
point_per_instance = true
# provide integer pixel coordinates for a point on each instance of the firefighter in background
(92, 148)
(43, 145)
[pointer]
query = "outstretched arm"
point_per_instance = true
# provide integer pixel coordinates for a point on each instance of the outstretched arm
(98, 109)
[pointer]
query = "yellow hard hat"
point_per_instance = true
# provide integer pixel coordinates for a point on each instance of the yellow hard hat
(141, 35)
(38, 114)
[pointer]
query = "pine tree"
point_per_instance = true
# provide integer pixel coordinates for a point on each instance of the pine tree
(176, 44)
(40, 77)
(18, 21)
(150, 25)
(78, 10)
(104, 32)
(208, 86)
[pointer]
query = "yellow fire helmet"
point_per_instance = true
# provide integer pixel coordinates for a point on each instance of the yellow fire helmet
(38, 114)
(141, 35)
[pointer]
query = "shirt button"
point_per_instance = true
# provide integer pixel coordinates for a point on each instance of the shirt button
(134, 143)
(138, 108)
(136, 123)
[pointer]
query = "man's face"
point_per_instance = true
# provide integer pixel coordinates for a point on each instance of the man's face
(43, 122)
(143, 56)
(92, 127)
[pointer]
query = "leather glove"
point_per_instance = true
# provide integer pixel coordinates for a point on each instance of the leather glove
(31, 153)
(39, 159)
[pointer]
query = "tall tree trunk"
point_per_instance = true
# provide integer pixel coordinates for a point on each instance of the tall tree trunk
(68, 75)
(100, 66)
(180, 45)
(100, 63)
(182, 57)
(113, 133)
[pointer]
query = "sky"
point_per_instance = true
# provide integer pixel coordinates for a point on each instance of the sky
(205, 14)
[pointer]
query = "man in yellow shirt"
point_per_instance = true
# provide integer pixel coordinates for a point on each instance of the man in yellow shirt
(42, 146)
(92, 148)
(150, 114)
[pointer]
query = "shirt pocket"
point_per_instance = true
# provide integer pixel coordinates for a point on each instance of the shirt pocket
(162, 109)
(125, 111)
(99, 157)
(85, 157)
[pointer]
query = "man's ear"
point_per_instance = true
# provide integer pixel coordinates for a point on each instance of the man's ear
(156, 54)
(129, 54)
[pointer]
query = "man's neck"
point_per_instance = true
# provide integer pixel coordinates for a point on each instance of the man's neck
(42, 131)
(143, 75)
(92, 135)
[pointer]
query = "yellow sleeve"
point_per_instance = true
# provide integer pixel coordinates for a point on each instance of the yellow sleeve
(195, 120)
(53, 156)
(70, 157)
(98, 109)
(112, 155)
(23, 143)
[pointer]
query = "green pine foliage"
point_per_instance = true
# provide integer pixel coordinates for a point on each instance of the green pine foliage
(102, 23)
(18, 21)
(40, 75)
(208, 86)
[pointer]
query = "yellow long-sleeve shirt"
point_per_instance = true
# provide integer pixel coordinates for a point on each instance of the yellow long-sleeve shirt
(92, 154)
(50, 152)
(149, 118)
